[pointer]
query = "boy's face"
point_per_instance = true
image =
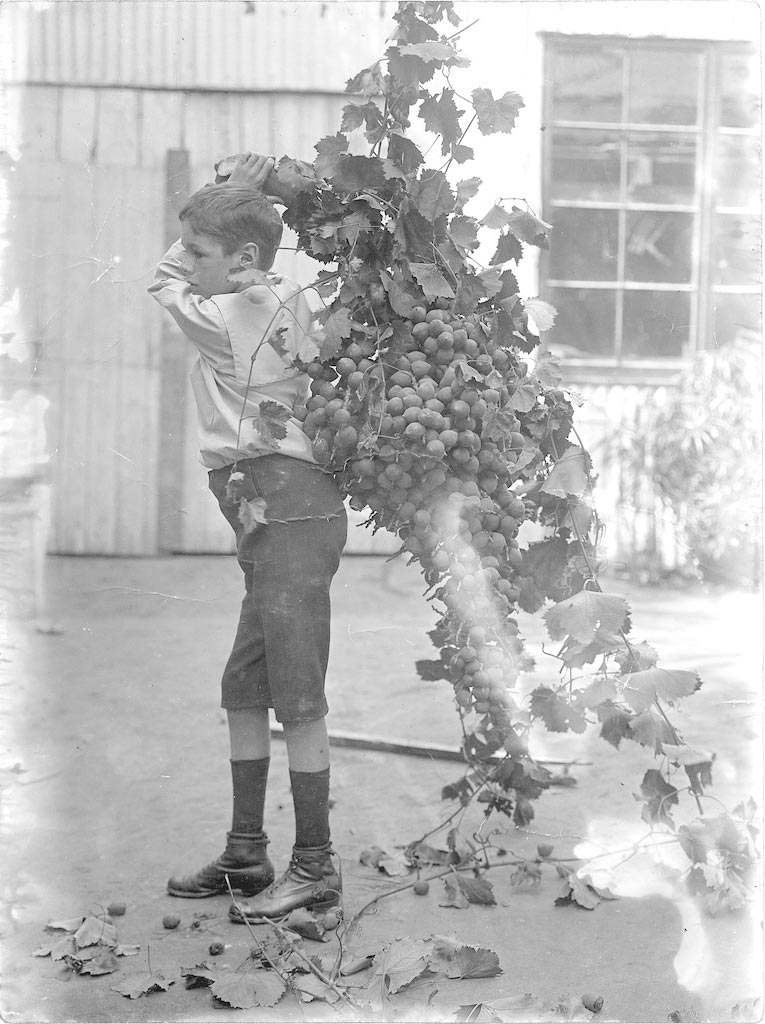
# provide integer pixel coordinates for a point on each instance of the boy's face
(207, 266)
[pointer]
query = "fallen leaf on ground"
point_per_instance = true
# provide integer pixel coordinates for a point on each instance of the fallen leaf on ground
(361, 963)
(199, 976)
(57, 950)
(575, 891)
(143, 984)
(244, 991)
(126, 950)
(393, 864)
(401, 961)
(371, 856)
(70, 924)
(95, 931)
(306, 924)
(101, 962)
(477, 890)
(309, 987)
(454, 896)
(469, 962)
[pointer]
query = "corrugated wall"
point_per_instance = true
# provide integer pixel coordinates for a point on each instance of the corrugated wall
(204, 44)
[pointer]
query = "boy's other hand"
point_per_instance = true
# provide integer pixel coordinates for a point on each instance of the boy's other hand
(251, 170)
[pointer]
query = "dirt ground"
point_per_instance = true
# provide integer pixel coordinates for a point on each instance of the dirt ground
(114, 772)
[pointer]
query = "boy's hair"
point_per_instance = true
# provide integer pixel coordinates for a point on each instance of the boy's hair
(234, 215)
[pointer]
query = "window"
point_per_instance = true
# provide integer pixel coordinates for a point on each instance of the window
(651, 182)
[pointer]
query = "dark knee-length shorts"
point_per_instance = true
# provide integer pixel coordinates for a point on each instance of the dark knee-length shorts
(280, 653)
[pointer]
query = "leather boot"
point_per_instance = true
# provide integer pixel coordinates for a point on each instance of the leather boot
(244, 861)
(310, 881)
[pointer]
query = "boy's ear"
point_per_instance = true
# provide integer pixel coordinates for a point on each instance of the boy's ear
(249, 255)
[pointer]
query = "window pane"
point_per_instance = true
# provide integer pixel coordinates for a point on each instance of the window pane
(585, 323)
(739, 91)
(738, 170)
(587, 85)
(661, 168)
(659, 247)
(734, 314)
(583, 245)
(736, 249)
(656, 324)
(585, 165)
(664, 86)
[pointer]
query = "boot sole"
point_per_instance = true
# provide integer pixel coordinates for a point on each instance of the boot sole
(240, 917)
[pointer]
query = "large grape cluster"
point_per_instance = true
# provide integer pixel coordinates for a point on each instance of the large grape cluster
(432, 473)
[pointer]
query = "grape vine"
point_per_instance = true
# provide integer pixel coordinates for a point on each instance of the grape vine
(427, 406)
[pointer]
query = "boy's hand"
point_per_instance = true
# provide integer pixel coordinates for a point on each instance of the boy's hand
(250, 170)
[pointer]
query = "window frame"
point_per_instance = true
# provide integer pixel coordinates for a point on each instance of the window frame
(597, 368)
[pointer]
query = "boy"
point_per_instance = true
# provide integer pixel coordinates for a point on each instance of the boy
(279, 657)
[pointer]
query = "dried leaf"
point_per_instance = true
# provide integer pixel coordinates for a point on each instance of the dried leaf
(355, 966)
(454, 896)
(472, 962)
(198, 977)
(252, 513)
(477, 890)
(143, 984)
(371, 856)
(103, 962)
(126, 950)
(58, 950)
(309, 987)
(244, 991)
(394, 864)
(575, 891)
(94, 931)
(70, 924)
(306, 924)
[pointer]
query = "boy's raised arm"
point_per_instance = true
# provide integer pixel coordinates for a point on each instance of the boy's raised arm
(198, 318)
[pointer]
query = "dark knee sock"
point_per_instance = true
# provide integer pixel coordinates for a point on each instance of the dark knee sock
(249, 780)
(310, 795)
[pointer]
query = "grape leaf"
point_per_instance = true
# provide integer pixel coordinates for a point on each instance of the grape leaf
(453, 895)
(555, 711)
(431, 280)
(244, 991)
(296, 175)
(464, 231)
(466, 189)
(423, 855)
(524, 398)
(271, 422)
(431, 669)
(575, 891)
(330, 149)
(471, 962)
(685, 755)
(371, 856)
(577, 654)
(413, 233)
(508, 248)
(432, 195)
(58, 950)
(143, 984)
(528, 228)
(355, 173)
(496, 115)
(650, 730)
(356, 114)
(309, 987)
(71, 924)
(401, 302)
(541, 312)
(356, 965)
(337, 326)
(497, 217)
(252, 512)
(548, 371)
(102, 962)
(635, 657)
(401, 961)
(442, 117)
(462, 154)
(434, 51)
(403, 153)
(94, 931)
(393, 864)
(477, 890)
(368, 82)
(581, 615)
(642, 688)
(199, 976)
(615, 723)
(569, 475)
(305, 924)
(351, 227)
(659, 796)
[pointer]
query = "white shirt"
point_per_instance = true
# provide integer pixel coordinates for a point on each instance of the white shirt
(238, 368)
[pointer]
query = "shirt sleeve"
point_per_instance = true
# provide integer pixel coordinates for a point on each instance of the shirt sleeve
(198, 318)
